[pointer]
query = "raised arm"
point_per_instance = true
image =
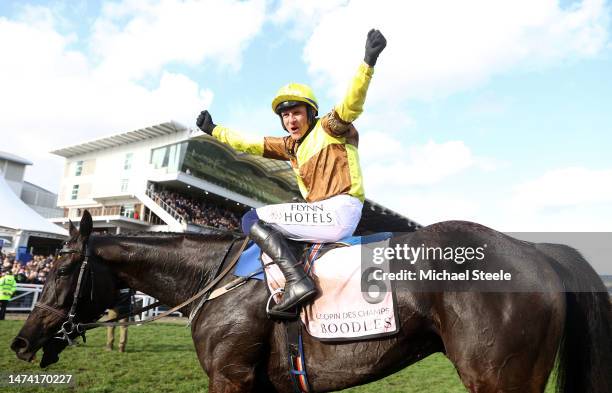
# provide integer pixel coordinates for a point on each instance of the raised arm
(268, 147)
(351, 107)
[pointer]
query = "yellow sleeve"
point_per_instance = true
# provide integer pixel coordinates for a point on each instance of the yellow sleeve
(352, 105)
(238, 141)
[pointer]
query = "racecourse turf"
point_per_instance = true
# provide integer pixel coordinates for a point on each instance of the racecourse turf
(160, 357)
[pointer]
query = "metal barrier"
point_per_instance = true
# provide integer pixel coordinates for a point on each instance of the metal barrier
(27, 295)
(24, 298)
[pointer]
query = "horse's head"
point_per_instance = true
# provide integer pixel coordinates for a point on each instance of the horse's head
(51, 313)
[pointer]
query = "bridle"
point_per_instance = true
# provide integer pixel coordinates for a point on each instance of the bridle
(69, 326)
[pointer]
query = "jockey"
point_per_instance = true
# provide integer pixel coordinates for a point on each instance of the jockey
(323, 155)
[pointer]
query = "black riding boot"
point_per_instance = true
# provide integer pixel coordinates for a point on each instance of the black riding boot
(298, 286)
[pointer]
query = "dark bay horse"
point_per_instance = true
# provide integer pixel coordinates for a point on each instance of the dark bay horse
(497, 341)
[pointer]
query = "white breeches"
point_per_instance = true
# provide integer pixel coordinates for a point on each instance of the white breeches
(319, 222)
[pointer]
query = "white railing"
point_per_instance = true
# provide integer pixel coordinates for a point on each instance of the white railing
(27, 296)
(172, 211)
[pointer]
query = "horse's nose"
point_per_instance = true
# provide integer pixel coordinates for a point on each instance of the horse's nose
(19, 344)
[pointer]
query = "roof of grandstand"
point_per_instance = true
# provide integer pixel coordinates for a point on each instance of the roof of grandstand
(121, 139)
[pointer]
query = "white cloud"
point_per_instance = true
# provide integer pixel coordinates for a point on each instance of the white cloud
(374, 146)
(387, 161)
(563, 200)
(303, 18)
(565, 187)
(136, 38)
(431, 206)
(576, 218)
(414, 180)
(53, 95)
(570, 199)
(439, 47)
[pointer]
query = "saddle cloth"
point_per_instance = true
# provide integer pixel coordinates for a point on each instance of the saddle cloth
(340, 312)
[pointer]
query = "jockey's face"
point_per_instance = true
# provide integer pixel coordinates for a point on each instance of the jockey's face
(295, 120)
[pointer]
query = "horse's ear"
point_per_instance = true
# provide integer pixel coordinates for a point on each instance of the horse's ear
(72, 229)
(86, 224)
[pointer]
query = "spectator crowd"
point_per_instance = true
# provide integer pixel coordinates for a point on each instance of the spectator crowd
(32, 272)
(199, 212)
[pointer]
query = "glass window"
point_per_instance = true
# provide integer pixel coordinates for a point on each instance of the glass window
(127, 162)
(124, 185)
(159, 157)
(78, 168)
(170, 157)
(75, 192)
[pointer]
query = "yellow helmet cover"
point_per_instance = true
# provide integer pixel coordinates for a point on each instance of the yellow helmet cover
(295, 92)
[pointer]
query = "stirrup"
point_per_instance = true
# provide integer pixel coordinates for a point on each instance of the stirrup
(285, 315)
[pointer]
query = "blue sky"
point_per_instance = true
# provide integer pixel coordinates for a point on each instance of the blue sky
(495, 112)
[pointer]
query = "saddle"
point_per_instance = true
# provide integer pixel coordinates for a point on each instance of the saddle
(250, 266)
(252, 260)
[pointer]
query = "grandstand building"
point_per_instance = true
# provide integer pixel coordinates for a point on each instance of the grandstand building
(122, 180)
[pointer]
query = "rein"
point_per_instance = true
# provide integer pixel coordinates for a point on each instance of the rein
(69, 326)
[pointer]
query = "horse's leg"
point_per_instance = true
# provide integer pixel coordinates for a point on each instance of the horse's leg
(229, 359)
(507, 344)
(230, 337)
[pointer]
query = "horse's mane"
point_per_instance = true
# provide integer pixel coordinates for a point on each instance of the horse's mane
(166, 251)
(147, 235)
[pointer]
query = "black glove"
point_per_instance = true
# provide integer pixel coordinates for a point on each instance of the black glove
(205, 122)
(375, 44)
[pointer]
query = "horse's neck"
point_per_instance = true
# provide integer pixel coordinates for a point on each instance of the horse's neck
(170, 271)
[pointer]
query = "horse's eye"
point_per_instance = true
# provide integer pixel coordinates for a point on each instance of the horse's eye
(63, 271)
